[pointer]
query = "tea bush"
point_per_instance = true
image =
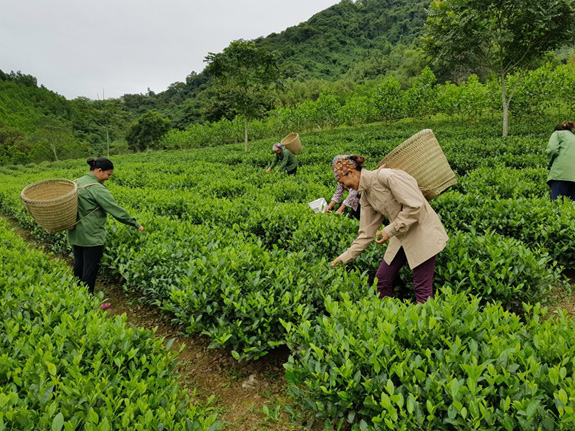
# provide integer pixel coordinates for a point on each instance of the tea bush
(65, 365)
(448, 364)
(496, 268)
(207, 208)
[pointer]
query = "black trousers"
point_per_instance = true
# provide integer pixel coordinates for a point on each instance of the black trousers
(87, 264)
(354, 213)
(292, 172)
(562, 188)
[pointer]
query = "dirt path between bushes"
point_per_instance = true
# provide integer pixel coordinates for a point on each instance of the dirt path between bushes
(561, 299)
(248, 395)
(240, 390)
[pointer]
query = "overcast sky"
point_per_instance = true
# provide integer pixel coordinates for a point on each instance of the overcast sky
(96, 48)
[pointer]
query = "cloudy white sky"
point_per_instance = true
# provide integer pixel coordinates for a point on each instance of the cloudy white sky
(107, 48)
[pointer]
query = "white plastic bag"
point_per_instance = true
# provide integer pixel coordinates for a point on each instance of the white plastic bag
(318, 205)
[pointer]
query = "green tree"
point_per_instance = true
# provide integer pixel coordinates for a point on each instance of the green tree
(13, 148)
(326, 111)
(246, 76)
(112, 119)
(147, 131)
(420, 99)
(389, 100)
(498, 36)
(55, 136)
(100, 122)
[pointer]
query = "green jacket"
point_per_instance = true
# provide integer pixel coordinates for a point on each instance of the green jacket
(91, 230)
(286, 161)
(561, 156)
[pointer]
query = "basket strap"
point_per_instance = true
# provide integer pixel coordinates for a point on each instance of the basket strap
(90, 184)
(91, 212)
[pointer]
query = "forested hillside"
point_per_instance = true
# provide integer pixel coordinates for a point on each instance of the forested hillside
(353, 63)
(37, 124)
(350, 40)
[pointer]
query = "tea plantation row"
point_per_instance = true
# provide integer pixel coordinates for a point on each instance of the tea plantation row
(236, 254)
(65, 365)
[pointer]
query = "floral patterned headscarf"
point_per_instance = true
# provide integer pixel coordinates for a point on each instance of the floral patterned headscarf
(342, 165)
(277, 145)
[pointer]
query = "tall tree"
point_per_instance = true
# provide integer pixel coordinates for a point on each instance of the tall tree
(13, 148)
(245, 77)
(100, 122)
(498, 36)
(55, 135)
(147, 131)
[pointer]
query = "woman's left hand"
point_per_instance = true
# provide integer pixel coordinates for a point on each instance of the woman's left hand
(335, 262)
(384, 237)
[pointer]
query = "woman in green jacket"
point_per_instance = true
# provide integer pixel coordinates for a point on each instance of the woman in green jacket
(285, 159)
(561, 161)
(88, 236)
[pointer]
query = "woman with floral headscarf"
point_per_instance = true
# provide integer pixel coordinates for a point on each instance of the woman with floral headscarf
(352, 200)
(285, 160)
(414, 232)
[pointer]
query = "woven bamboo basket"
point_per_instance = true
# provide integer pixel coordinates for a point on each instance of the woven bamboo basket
(422, 158)
(52, 203)
(292, 143)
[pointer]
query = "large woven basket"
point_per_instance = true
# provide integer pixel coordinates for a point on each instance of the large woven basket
(292, 143)
(52, 203)
(422, 158)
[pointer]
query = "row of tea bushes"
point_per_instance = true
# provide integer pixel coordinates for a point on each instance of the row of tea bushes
(277, 219)
(231, 286)
(498, 269)
(226, 284)
(504, 183)
(65, 365)
(537, 222)
(466, 147)
(195, 236)
(449, 364)
(236, 254)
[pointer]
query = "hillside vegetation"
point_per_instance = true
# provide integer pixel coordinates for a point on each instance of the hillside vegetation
(37, 124)
(353, 63)
(350, 40)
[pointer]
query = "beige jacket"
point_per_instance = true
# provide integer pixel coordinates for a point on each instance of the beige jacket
(413, 224)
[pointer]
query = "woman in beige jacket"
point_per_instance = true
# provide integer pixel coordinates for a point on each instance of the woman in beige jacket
(414, 232)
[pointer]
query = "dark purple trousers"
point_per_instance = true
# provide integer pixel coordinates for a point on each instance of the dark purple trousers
(422, 277)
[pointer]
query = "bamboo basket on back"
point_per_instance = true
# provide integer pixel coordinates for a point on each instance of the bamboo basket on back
(292, 143)
(52, 203)
(422, 158)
